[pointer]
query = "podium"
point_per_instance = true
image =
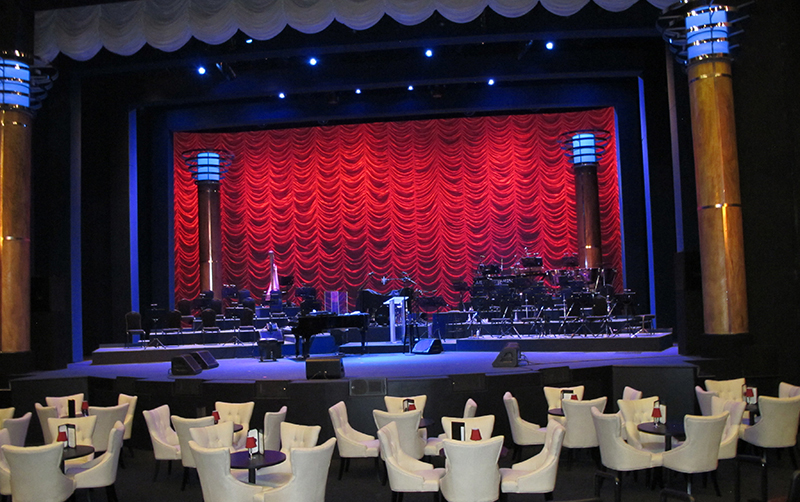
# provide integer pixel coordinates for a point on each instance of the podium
(397, 317)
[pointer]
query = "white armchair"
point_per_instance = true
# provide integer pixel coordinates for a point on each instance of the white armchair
(102, 471)
(730, 436)
(407, 426)
(132, 401)
(272, 429)
(470, 408)
(309, 475)
(523, 433)
(471, 471)
(84, 429)
(214, 436)
(631, 394)
(351, 443)
(700, 452)
(704, 400)
(5, 413)
(538, 473)
(238, 413)
(553, 395)
(18, 428)
(166, 446)
(43, 413)
(61, 404)
(730, 390)
(579, 424)
(616, 454)
(634, 413)
(5, 473)
(788, 390)
(292, 436)
(36, 473)
(406, 474)
(484, 424)
(434, 445)
(182, 426)
(216, 480)
(395, 404)
(107, 417)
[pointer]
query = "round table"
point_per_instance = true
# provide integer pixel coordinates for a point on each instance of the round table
(556, 412)
(668, 430)
(424, 423)
(243, 460)
(77, 452)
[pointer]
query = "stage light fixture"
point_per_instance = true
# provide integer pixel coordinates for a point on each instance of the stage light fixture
(281, 95)
(249, 41)
(358, 91)
(410, 87)
(312, 61)
(428, 53)
(549, 46)
(491, 81)
(15, 82)
(201, 70)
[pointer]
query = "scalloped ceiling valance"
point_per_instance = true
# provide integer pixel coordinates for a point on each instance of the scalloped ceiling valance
(124, 28)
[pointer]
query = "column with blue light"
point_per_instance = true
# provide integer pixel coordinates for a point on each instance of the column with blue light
(719, 206)
(15, 202)
(207, 168)
(584, 149)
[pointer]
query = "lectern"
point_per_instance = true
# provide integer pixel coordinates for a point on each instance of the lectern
(397, 317)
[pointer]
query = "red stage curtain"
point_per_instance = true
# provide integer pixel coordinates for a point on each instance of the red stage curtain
(430, 198)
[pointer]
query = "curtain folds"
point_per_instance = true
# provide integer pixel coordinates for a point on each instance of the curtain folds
(343, 206)
(124, 27)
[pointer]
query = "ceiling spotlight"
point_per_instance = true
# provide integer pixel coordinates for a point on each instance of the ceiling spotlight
(428, 53)
(249, 41)
(549, 46)
(491, 81)
(281, 95)
(358, 91)
(312, 61)
(410, 87)
(201, 70)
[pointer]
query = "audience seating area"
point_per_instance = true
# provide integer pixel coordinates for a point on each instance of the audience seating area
(288, 461)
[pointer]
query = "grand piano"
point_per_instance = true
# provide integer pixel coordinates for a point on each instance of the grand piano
(320, 322)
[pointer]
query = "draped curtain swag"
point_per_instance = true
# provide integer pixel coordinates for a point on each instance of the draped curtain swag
(124, 28)
(430, 198)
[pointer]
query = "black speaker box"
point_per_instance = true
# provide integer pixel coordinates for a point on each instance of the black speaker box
(508, 356)
(428, 346)
(324, 367)
(185, 365)
(205, 359)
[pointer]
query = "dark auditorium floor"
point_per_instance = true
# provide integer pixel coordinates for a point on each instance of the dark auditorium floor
(134, 483)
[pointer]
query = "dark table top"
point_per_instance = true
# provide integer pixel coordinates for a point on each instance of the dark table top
(674, 429)
(77, 452)
(424, 423)
(557, 412)
(243, 460)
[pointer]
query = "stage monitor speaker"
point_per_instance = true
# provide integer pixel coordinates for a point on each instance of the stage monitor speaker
(324, 367)
(205, 359)
(185, 365)
(508, 356)
(428, 346)
(368, 387)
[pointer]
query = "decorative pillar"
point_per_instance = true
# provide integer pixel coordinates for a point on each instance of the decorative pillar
(704, 34)
(15, 202)
(207, 167)
(584, 149)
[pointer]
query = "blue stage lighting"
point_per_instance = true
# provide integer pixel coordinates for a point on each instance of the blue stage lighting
(201, 70)
(428, 53)
(410, 87)
(249, 41)
(549, 46)
(491, 81)
(281, 95)
(358, 91)
(312, 61)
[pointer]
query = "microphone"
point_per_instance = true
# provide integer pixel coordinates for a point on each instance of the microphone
(370, 273)
(383, 280)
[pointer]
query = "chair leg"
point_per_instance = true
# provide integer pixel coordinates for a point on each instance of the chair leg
(155, 474)
(341, 468)
(794, 459)
(111, 493)
(548, 496)
(130, 449)
(185, 478)
(169, 467)
(716, 483)
(689, 484)
(394, 496)
(347, 465)
(121, 461)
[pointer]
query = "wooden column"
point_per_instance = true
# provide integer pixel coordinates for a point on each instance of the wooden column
(719, 205)
(587, 210)
(210, 235)
(15, 223)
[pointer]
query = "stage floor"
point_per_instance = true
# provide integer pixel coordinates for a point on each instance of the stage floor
(376, 365)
